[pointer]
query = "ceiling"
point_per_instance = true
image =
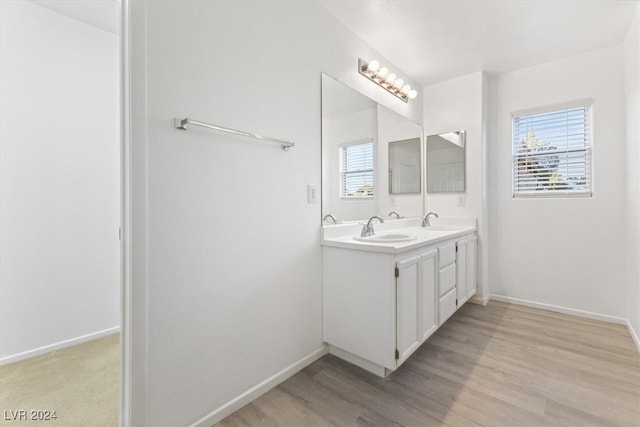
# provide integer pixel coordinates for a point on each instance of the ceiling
(103, 14)
(432, 41)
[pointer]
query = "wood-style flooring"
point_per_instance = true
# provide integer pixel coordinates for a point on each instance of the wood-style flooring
(499, 365)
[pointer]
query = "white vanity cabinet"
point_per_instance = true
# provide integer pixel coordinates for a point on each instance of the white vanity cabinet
(447, 302)
(415, 302)
(428, 298)
(378, 307)
(466, 269)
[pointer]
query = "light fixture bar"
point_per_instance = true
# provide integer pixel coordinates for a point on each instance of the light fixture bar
(386, 80)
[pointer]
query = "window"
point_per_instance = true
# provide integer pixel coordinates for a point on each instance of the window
(552, 151)
(356, 170)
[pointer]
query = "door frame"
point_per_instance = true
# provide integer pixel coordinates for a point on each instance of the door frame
(125, 218)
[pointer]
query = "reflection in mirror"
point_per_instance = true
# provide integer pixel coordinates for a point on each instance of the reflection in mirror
(349, 135)
(404, 166)
(356, 138)
(446, 162)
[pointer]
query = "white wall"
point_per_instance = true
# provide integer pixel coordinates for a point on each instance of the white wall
(458, 104)
(59, 216)
(563, 252)
(227, 261)
(632, 98)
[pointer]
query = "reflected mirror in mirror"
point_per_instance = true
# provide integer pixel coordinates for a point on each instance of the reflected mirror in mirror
(404, 166)
(446, 162)
(356, 149)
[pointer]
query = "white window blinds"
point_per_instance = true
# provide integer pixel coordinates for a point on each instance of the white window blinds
(356, 170)
(552, 152)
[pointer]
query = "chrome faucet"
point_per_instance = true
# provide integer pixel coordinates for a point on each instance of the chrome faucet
(367, 230)
(328, 217)
(425, 221)
(394, 213)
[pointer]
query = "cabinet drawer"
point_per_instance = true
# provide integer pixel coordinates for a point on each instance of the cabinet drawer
(446, 254)
(447, 279)
(447, 306)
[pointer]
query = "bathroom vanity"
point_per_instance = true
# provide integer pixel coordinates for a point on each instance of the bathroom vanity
(385, 293)
(382, 300)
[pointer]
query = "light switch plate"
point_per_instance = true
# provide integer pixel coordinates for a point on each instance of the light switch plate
(312, 193)
(461, 200)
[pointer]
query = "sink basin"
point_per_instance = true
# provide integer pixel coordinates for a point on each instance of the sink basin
(386, 238)
(441, 227)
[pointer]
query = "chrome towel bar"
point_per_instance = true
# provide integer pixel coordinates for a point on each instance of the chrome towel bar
(182, 124)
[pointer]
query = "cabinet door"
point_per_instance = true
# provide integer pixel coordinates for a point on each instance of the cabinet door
(461, 275)
(471, 266)
(407, 301)
(428, 294)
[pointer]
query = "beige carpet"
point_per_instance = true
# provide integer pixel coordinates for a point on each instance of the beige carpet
(81, 383)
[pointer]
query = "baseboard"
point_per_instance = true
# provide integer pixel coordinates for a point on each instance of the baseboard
(365, 364)
(479, 300)
(57, 346)
(560, 309)
(257, 391)
(634, 335)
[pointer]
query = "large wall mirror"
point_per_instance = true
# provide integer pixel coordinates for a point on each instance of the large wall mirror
(371, 157)
(446, 162)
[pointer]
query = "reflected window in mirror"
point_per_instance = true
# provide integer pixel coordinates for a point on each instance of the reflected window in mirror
(404, 166)
(446, 162)
(356, 170)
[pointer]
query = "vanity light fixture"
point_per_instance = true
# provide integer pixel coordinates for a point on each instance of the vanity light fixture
(386, 79)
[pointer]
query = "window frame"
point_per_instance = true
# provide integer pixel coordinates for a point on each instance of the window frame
(587, 104)
(342, 172)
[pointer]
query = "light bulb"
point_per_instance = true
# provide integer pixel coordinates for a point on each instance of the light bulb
(390, 79)
(383, 73)
(373, 66)
(398, 84)
(405, 89)
(413, 94)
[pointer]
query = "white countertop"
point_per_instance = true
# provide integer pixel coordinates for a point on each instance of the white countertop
(342, 236)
